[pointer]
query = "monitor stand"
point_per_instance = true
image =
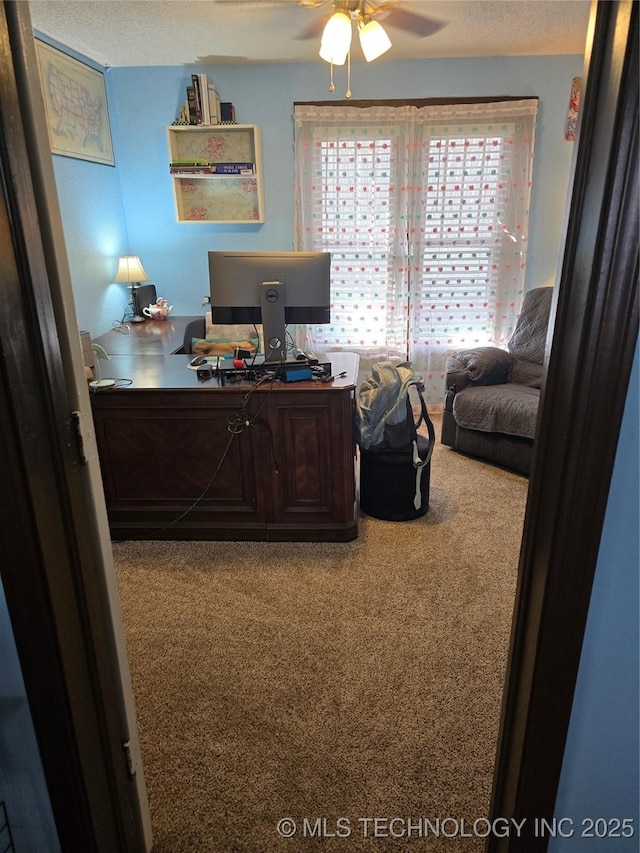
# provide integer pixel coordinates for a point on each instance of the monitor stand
(272, 302)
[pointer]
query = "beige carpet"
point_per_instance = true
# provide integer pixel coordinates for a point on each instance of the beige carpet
(328, 681)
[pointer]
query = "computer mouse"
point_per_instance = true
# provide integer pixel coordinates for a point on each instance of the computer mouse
(197, 361)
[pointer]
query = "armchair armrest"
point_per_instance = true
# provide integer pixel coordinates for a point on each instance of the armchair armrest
(481, 366)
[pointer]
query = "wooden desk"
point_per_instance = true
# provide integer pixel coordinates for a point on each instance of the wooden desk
(153, 337)
(173, 470)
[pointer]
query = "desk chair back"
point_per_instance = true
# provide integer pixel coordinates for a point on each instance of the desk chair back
(193, 329)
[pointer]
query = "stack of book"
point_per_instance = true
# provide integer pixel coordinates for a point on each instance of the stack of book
(188, 168)
(203, 103)
(233, 168)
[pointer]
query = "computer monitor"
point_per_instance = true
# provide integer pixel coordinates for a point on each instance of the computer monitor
(272, 289)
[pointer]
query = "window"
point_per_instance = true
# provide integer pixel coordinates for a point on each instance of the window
(425, 212)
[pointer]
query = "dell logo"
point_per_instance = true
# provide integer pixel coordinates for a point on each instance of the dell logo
(272, 295)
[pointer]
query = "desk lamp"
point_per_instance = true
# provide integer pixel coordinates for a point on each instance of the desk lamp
(130, 270)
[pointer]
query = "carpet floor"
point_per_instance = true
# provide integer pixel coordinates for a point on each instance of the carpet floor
(328, 684)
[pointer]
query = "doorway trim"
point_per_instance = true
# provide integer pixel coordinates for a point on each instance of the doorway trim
(57, 575)
(591, 354)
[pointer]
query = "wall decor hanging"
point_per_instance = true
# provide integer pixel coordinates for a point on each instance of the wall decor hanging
(75, 102)
(574, 105)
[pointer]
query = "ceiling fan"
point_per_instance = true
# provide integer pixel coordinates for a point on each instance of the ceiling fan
(388, 11)
(336, 32)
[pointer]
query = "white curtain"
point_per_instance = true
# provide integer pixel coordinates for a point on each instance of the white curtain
(425, 212)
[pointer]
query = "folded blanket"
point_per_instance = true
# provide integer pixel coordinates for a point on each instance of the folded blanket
(202, 346)
(511, 409)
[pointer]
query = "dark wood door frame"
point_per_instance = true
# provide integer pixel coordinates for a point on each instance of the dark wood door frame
(50, 542)
(594, 339)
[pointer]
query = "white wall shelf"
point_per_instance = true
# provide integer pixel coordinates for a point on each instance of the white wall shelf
(219, 198)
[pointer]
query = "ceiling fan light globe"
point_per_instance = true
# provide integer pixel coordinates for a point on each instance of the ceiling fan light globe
(336, 39)
(373, 40)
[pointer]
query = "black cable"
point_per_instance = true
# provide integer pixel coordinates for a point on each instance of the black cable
(236, 425)
(255, 353)
(268, 377)
(289, 347)
(242, 420)
(197, 500)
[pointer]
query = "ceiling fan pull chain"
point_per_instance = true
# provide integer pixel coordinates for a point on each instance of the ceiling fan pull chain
(332, 88)
(347, 94)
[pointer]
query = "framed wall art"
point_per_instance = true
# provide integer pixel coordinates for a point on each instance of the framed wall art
(75, 102)
(572, 112)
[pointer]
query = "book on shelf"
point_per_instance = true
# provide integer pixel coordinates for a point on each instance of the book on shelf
(214, 104)
(201, 84)
(233, 168)
(206, 100)
(193, 167)
(189, 171)
(195, 82)
(227, 113)
(193, 108)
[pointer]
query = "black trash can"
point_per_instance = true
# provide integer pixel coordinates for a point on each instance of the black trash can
(389, 483)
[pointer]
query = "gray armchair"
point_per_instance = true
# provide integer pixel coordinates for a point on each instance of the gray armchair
(193, 329)
(492, 395)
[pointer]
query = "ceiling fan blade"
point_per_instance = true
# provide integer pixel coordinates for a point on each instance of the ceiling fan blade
(313, 29)
(417, 25)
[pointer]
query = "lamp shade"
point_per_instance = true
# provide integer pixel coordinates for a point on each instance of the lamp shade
(373, 40)
(336, 39)
(130, 270)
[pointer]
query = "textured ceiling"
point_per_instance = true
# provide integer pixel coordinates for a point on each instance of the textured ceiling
(213, 32)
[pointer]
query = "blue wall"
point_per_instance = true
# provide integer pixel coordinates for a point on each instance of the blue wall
(94, 224)
(130, 209)
(600, 769)
(95, 230)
